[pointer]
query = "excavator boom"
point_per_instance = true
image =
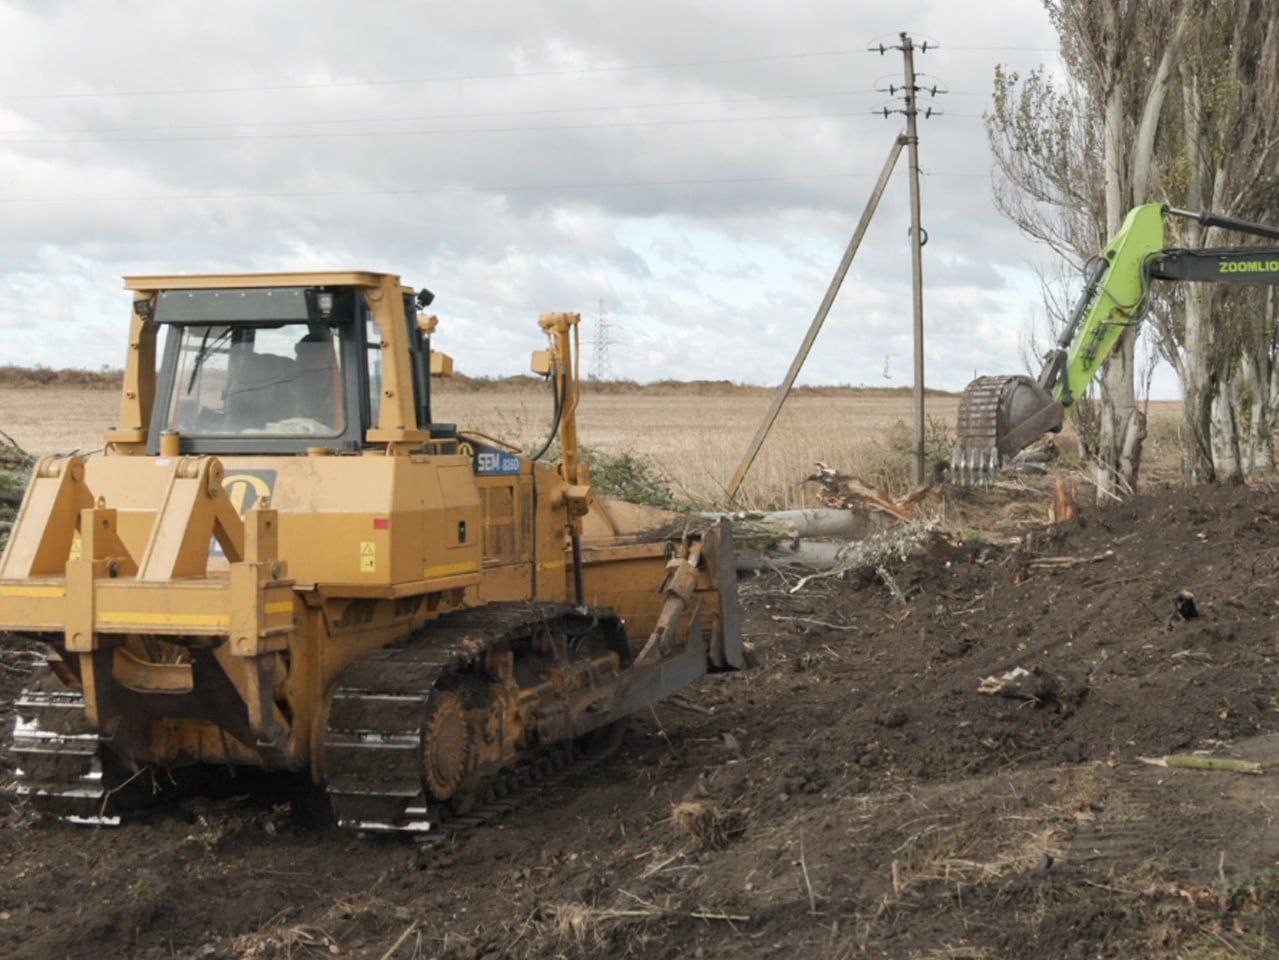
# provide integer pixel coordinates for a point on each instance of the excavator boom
(1001, 415)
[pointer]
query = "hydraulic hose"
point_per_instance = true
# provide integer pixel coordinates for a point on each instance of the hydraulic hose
(558, 404)
(579, 586)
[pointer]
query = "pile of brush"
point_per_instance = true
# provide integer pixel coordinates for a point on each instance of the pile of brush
(15, 469)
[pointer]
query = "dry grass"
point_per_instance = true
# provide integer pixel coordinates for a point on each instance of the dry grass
(104, 379)
(695, 437)
(707, 825)
(697, 441)
(286, 943)
(57, 419)
(580, 930)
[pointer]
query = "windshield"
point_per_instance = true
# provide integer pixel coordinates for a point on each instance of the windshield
(240, 380)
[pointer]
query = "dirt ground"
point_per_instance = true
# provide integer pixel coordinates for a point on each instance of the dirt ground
(852, 794)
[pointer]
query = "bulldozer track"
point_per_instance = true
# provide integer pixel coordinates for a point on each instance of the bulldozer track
(373, 754)
(372, 749)
(60, 770)
(526, 784)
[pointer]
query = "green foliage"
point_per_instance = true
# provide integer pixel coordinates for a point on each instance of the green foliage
(630, 477)
(1257, 890)
(896, 471)
(15, 468)
(626, 476)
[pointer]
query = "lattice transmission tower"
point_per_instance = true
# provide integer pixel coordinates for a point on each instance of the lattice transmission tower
(601, 361)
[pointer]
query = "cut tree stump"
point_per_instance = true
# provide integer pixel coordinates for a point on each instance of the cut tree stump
(1065, 505)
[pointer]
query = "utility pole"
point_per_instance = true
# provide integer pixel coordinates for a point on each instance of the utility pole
(909, 139)
(910, 91)
(916, 248)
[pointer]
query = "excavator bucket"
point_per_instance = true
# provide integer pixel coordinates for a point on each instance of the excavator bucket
(998, 417)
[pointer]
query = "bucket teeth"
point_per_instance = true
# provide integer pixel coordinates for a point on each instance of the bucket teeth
(973, 467)
(976, 458)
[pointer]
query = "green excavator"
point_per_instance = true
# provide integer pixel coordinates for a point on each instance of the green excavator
(1001, 415)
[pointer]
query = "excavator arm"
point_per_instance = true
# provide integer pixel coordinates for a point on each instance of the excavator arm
(1001, 415)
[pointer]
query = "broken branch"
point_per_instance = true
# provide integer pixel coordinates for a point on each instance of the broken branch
(1224, 764)
(1069, 561)
(728, 917)
(400, 942)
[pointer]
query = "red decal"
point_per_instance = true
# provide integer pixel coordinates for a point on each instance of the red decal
(382, 523)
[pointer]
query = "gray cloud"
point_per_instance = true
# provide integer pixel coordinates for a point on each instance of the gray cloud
(705, 279)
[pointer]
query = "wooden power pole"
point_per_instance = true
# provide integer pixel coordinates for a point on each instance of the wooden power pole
(911, 89)
(918, 237)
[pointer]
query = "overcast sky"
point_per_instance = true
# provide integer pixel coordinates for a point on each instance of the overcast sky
(698, 167)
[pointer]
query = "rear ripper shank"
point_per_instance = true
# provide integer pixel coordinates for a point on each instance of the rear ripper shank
(280, 560)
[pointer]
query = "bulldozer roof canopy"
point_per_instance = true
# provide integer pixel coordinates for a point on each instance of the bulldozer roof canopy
(222, 281)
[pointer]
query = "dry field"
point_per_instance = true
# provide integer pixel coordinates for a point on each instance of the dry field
(694, 438)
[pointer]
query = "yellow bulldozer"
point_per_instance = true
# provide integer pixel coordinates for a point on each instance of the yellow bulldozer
(280, 560)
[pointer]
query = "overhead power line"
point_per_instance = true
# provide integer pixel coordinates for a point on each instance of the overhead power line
(951, 46)
(422, 117)
(439, 131)
(425, 191)
(445, 78)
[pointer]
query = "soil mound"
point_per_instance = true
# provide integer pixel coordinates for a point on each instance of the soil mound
(940, 760)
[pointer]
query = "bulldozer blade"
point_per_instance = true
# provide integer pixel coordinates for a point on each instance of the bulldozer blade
(999, 417)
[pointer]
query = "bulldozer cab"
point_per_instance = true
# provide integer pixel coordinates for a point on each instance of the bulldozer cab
(278, 365)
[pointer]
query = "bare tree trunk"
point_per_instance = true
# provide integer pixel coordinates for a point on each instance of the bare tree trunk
(1254, 381)
(1272, 412)
(1197, 387)
(1119, 413)
(1123, 424)
(1226, 462)
(1129, 168)
(1259, 359)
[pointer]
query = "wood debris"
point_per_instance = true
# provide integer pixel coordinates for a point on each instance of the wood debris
(1066, 562)
(1065, 505)
(1185, 762)
(843, 492)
